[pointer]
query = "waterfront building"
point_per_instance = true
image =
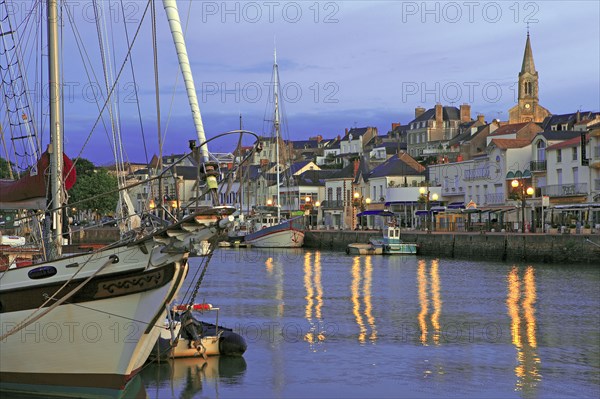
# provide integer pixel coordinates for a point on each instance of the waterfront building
(331, 155)
(573, 185)
(573, 121)
(520, 131)
(593, 154)
(337, 205)
(471, 141)
(356, 140)
(430, 132)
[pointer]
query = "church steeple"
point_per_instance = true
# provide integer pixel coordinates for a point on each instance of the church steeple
(527, 108)
(528, 65)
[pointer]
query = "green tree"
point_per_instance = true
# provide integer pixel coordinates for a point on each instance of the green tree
(5, 167)
(84, 167)
(100, 185)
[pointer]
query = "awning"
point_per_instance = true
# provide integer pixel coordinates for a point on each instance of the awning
(490, 210)
(433, 210)
(411, 203)
(456, 205)
(378, 212)
(577, 206)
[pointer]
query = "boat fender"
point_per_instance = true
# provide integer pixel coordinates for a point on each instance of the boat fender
(231, 344)
(347, 251)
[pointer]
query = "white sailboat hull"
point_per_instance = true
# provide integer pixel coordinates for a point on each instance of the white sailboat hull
(102, 335)
(278, 239)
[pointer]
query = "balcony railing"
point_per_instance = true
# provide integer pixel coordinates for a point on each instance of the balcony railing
(537, 166)
(565, 190)
(477, 174)
(494, 198)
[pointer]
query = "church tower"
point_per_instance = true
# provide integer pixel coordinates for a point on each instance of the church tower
(528, 108)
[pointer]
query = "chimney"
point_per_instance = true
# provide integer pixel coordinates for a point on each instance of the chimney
(346, 131)
(395, 125)
(481, 119)
(439, 115)
(419, 111)
(319, 138)
(465, 113)
(339, 138)
(356, 166)
(578, 117)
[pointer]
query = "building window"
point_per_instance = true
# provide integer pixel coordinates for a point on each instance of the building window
(330, 194)
(558, 155)
(576, 176)
(574, 152)
(541, 151)
(338, 194)
(559, 176)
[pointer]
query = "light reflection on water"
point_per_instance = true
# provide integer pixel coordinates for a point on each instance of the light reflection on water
(323, 324)
(524, 337)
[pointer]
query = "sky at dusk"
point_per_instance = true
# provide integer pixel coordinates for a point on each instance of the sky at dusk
(342, 64)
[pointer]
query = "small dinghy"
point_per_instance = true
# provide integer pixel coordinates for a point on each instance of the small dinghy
(186, 336)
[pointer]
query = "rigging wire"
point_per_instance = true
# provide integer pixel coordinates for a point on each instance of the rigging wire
(135, 86)
(122, 67)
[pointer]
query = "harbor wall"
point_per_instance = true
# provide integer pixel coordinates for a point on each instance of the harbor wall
(547, 248)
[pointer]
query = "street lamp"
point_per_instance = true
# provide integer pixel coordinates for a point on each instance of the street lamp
(269, 202)
(307, 208)
(522, 195)
(426, 195)
(317, 205)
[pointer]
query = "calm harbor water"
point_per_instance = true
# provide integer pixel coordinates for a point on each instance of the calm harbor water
(325, 324)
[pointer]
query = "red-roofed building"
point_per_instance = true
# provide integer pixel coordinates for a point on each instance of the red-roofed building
(522, 131)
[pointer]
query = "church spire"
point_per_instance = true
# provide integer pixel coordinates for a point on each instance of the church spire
(528, 65)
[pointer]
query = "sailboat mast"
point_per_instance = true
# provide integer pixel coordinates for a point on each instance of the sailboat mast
(241, 170)
(184, 64)
(56, 157)
(277, 127)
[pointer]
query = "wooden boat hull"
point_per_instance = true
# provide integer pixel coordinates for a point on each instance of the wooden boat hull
(363, 249)
(284, 235)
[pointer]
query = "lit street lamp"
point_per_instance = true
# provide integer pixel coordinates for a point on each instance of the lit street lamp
(426, 195)
(522, 194)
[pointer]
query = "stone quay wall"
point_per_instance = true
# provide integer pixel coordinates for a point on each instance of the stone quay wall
(546, 248)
